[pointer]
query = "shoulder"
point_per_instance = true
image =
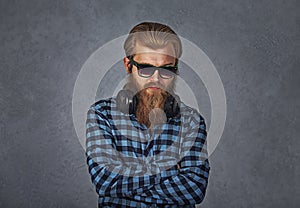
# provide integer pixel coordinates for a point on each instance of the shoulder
(190, 115)
(103, 106)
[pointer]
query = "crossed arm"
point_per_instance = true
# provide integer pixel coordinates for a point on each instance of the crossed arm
(186, 185)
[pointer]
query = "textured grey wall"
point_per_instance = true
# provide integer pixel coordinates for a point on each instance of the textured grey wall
(253, 44)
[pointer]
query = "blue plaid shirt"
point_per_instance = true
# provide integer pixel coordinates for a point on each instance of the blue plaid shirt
(133, 166)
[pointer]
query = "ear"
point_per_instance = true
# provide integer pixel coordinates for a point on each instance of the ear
(127, 65)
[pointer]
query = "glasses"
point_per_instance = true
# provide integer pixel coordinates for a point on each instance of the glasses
(147, 70)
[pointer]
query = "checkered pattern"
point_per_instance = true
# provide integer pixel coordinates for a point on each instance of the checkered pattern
(133, 166)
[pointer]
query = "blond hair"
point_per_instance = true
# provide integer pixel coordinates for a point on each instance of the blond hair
(152, 35)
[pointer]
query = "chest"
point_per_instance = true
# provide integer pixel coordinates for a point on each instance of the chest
(134, 139)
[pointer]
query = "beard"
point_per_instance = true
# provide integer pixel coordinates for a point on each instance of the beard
(150, 107)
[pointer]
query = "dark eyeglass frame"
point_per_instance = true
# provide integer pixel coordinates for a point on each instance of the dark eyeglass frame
(173, 69)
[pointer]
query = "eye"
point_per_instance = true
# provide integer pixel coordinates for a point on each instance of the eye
(147, 71)
(166, 74)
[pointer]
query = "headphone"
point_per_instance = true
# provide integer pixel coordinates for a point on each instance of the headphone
(127, 103)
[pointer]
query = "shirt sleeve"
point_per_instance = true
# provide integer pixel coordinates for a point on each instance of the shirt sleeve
(106, 167)
(189, 185)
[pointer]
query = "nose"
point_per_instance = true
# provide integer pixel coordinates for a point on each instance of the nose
(155, 76)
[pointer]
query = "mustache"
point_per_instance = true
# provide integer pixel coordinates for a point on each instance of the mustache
(152, 84)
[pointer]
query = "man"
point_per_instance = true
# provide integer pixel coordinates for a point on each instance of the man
(146, 148)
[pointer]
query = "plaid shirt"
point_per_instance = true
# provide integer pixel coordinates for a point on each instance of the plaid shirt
(133, 166)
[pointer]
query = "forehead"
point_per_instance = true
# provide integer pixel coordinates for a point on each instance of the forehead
(146, 54)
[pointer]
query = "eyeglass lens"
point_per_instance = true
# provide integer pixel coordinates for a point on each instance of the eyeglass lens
(149, 71)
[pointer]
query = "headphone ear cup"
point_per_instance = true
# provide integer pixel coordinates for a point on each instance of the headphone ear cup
(171, 106)
(124, 101)
(133, 106)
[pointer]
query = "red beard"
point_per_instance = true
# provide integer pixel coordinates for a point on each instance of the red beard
(150, 107)
(147, 101)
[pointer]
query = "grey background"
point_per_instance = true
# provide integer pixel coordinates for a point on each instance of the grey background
(253, 44)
